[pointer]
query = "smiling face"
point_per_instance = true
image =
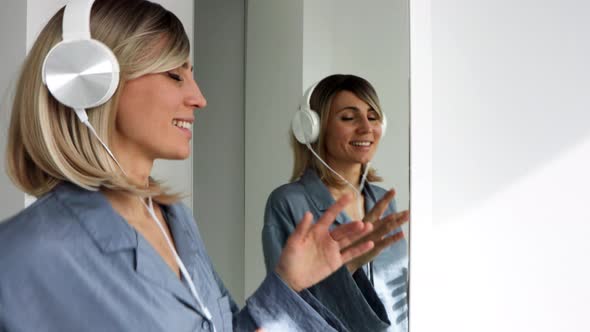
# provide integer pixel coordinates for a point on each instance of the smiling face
(155, 115)
(353, 131)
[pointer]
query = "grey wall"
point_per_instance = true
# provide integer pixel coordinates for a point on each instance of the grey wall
(219, 137)
(13, 29)
(274, 59)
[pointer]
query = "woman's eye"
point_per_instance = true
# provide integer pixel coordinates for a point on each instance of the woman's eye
(347, 118)
(373, 116)
(175, 77)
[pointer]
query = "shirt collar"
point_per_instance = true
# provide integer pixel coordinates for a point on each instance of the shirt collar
(322, 198)
(94, 212)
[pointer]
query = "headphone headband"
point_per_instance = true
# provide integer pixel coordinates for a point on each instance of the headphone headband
(76, 20)
(307, 97)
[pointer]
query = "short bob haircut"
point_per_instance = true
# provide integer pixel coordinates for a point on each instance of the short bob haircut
(47, 144)
(321, 101)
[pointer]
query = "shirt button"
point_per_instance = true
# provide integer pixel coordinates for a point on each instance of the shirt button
(205, 325)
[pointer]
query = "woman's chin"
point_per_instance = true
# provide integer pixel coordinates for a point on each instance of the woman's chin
(365, 158)
(177, 155)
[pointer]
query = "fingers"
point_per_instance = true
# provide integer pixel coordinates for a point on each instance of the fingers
(349, 233)
(304, 225)
(343, 231)
(386, 242)
(332, 212)
(388, 224)
(379, 245)
(383, 227)
(356, 250)
(380, 207)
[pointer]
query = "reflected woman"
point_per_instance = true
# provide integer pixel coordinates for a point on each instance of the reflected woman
(370, 292)
(106, 247)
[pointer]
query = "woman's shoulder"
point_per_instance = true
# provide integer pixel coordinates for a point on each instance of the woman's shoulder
(289, 195)
(30, 221)
(287, 190)
(35, 237)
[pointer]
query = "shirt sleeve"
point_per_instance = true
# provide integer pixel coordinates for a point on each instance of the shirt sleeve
(274, 306)
(278, 225)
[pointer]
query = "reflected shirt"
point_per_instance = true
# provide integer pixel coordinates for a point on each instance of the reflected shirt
(69, 262)
(360, 305)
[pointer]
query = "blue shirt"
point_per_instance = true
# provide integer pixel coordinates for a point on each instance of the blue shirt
(362, 306)
(69, 262)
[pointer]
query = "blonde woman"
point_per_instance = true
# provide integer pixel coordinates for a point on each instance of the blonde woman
(108, 248)
(370, 292)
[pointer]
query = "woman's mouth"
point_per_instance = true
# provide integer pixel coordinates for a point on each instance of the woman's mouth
(361, 144)
(184, 125)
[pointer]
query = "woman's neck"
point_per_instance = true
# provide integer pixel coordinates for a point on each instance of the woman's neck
(137, 171)
(350, 172)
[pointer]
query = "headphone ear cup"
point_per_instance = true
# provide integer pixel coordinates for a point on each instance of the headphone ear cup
(81, 73)
(383, 124)
(306, 126)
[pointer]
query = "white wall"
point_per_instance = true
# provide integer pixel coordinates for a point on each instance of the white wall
(292, 44)
(510, 145)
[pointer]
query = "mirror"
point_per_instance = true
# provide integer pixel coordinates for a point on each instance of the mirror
(253, 61)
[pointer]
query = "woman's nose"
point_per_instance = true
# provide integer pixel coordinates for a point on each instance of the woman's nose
(196, 98)
(365, 125)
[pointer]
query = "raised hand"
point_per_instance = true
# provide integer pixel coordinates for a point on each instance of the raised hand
(312, 252)
(382, 227)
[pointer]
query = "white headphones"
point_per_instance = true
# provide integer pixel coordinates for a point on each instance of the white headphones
(306, 121)
(80, 72)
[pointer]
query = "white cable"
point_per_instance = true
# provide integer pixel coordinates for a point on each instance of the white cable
(357, 193)
(104, 145)
(183, 269)
(364, 178)
(84, 118)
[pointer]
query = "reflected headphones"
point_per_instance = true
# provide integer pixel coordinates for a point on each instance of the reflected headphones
(80, 72)
(306, 121)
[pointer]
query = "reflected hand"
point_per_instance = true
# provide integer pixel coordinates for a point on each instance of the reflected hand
(382, 227)
(313, 252)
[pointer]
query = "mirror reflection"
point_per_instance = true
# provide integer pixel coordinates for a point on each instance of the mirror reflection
(254, 69)
(335, 134)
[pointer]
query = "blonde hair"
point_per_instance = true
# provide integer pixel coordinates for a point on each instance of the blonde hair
(47, 144)
(321, 102)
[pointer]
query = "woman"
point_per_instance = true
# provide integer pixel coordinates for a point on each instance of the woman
(106, 247)
(369, 293)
